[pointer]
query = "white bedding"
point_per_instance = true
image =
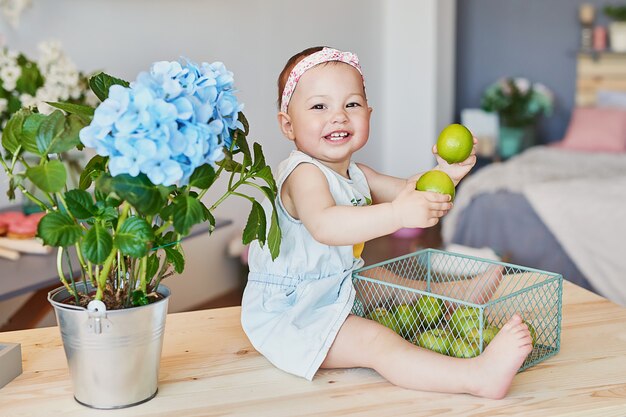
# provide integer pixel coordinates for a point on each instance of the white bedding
(580, 197)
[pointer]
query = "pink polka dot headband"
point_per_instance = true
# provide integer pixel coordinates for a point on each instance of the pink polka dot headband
(325, 55)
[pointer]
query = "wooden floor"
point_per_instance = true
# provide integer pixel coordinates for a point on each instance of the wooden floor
(375, 251)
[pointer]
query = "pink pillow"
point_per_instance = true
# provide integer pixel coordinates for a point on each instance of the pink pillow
(597, 130)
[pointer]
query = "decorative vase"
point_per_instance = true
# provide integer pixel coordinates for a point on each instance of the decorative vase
(514, 139)
(113, 355)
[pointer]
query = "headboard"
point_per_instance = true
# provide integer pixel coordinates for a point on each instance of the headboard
(599, 71)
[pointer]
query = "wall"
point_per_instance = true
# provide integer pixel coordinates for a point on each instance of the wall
(536, 39)
(254, 38)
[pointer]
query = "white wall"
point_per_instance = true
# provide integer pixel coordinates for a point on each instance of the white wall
(397, 41)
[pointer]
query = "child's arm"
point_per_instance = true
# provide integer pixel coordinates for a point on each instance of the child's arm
(306, 196)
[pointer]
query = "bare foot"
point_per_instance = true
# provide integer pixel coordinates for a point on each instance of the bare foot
(498, 364)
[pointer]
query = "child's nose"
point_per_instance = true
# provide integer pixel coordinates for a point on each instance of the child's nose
(340, 116)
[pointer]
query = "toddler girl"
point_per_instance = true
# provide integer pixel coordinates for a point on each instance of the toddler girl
(296, 309)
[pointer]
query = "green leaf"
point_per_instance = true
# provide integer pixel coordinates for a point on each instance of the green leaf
(265, 173)
(230, 165)
(11, 135)
(77, 109)
(208, 216)
(202, 177)
(139, 298)
(50, 177)
(186, 212)
(259, 159)
(255, 226)
(80, 204)
(242, 144)
(32, 122)
(100, 84)
(58, 229)
(134, 237)
(244, 122)
(97, 244)
(92, 171)
(49, 130)
(274, 237)
(58, 133)
(175, 258)
(153, 265)
(139, 191)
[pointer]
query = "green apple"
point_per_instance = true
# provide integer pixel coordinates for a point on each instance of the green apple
(533, 332)
(407, 317)
(489, 333)
(464, 320)
(437, 340)
(384, 317)
(462, 348)
(430, 310)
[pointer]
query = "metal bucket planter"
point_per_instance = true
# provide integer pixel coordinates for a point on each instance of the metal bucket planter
(113, 356)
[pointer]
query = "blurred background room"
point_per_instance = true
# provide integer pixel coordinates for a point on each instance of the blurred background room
(514, 71)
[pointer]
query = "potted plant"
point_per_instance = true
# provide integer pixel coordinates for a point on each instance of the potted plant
(518, 103)
(617, 28)
(160, 143)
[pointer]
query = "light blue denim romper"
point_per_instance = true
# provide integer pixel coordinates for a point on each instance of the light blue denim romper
(293, 307)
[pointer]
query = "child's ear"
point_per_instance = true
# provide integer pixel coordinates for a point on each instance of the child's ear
(284, 121)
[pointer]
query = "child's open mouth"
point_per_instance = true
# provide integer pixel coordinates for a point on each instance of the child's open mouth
(337, 136)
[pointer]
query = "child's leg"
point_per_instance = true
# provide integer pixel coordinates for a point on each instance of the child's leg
(365, 343)
(478, 289)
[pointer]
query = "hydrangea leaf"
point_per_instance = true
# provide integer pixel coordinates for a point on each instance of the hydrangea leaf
(133, 237)
(12, 132)
(78, 109)
(256, 225)
(31, 126)
(92, 170)
(274, 237)
(58, 229)
(100, 84)
(186, 212)
(176, 258)
(50, 177)
(80, 204)
(138, 191)
(202, 177)
(58, 133)
(97, 244)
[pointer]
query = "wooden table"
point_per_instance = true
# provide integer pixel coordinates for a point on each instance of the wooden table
(209, 368)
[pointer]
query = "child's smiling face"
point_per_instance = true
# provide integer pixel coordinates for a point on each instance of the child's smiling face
(329, 115)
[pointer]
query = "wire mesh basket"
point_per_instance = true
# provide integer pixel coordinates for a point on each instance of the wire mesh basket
(455, 304)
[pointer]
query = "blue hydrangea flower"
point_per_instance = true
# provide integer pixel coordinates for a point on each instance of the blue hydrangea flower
(171, 120)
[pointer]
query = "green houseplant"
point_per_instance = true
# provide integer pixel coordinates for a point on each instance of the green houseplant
(519, 104)
(617, 28)
(160, 144)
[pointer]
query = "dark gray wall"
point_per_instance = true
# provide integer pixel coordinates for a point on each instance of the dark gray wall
(536, 39)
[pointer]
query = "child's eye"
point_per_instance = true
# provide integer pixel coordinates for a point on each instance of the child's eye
(317, 107)
(353, 104)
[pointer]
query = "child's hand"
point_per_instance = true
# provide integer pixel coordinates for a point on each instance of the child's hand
(456, 171)
(414, 208)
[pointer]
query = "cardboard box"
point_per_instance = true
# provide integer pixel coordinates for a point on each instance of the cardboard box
(10, 362)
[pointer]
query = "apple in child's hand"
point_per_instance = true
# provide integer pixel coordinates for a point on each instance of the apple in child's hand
(462, 348)
(437, 181)
(437, 340)
(407, 317)
(455, 143)
(430, 309)
(382, 316)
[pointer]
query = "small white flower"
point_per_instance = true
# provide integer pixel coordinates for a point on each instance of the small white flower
(4, 104)
(27, 100)
(9, 76)
(522, 84)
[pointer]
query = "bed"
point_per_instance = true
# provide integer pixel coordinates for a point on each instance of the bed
(560, 208)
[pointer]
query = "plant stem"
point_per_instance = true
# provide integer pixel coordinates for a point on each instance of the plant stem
(61, 274)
